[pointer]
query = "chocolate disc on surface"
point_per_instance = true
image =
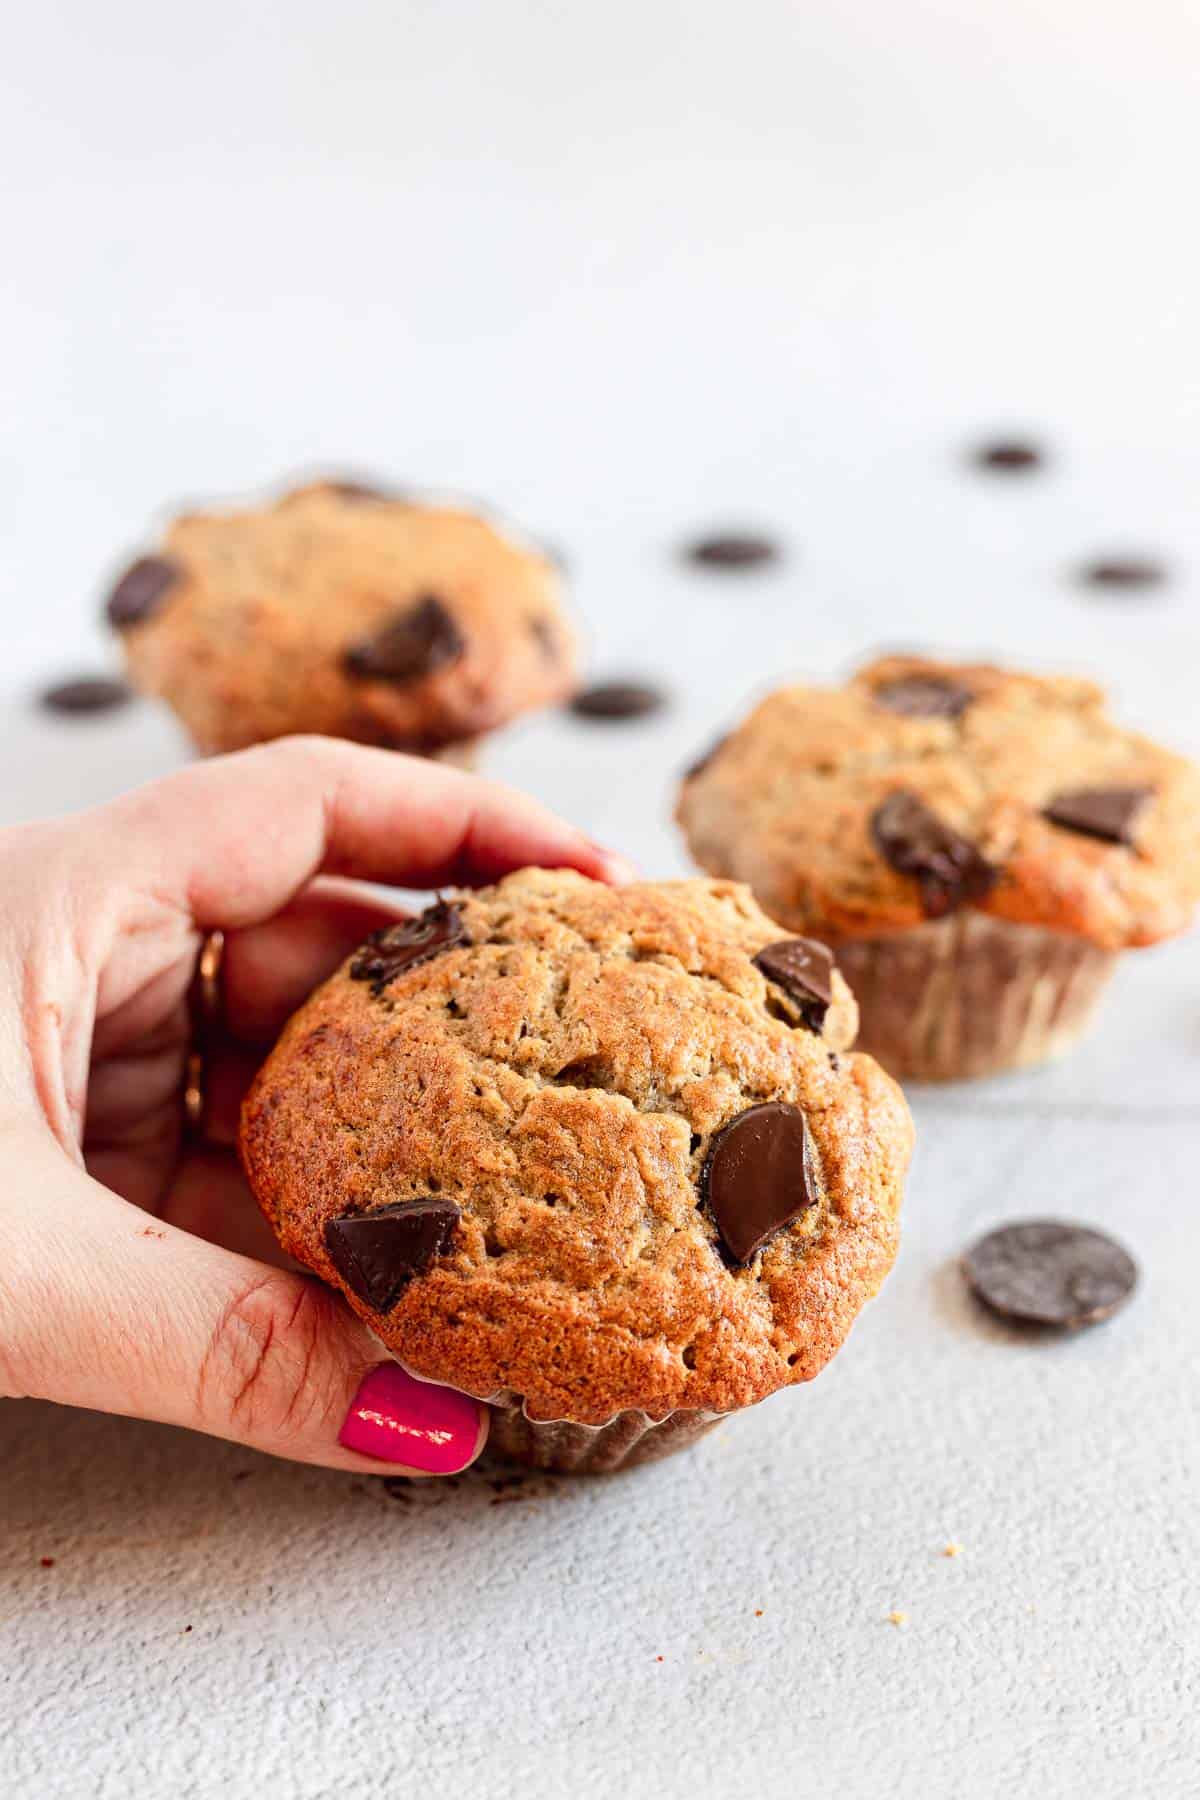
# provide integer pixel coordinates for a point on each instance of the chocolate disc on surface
(733, 550)
(86, 694)
(1012, 456)
(1046, 1272)
(757, 1176)
(617, 700)
(398, 948)
(924, 697)
(141, 591)
(415, 642)
(1106, 813)
(378, 1253)
(803, 968)
(947, 867)
(1124, 572)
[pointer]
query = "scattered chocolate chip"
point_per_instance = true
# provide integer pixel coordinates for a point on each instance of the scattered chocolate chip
(618, 700)
(733, 550)
(1046, 1272)
(141, 591)
(803, 968)
(947, 867)
(398, 948)
(86, 694)
(757, 1176)
(378, 1253)
(701, 763)
(546, 637)
(924, 697)
(413, 643)
(1124, 572)
(1011, 456)
(1107, 813)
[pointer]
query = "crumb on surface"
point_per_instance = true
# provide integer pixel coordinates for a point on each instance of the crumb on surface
(758, 1612)
(47, 1562)
(898, 1619)
(952, 1549)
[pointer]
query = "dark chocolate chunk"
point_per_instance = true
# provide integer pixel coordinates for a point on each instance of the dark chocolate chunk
(1046, 1272)
(702, 761)
(924, 697)
(733, 550)
(415, 642)
(803, 968)
(378, 1253)
(946, 866)
(1124, 572)
(757, 1176)
(618, 700)
(86, 694)
(1010, 456)
(361, 490)
(141, 591)
(1107, 813)
(398, 948)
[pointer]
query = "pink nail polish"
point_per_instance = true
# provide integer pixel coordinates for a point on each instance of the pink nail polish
(399, 1419)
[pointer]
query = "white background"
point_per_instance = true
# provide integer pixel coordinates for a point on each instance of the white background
(628, 270)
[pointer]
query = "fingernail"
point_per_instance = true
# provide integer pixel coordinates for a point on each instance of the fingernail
(399, 1419)
(613, 866)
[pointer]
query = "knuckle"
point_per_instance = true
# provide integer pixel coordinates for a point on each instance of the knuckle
(268, 1372)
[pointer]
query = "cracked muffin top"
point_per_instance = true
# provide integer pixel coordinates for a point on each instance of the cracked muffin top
(921, 787)
(593, 1148)
(345, 611)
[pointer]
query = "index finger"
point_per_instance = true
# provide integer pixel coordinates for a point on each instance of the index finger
(231, 840)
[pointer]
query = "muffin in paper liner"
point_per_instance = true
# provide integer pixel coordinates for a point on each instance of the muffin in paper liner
(971, 995)
(600, 1157)
(343, 610)
(975, 843)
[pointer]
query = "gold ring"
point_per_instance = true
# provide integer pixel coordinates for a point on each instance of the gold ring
(206, 1007)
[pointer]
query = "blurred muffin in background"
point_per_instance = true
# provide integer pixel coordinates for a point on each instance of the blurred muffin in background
(977, 845)
(348, 611)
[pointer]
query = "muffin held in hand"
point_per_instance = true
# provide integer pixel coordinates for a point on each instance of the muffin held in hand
(595, 1155)
(344, 611)
(976, 844)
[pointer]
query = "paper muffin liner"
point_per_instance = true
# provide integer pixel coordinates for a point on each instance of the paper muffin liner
(970, 995)
(629, 1438)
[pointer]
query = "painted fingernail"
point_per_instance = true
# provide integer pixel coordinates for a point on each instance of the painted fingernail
(398, 1419)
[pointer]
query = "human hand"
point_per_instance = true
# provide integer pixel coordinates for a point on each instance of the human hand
(136, 1274)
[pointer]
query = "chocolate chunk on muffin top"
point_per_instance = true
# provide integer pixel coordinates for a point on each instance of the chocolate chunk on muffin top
(347, 611)
(922, 787)
(588, 1146)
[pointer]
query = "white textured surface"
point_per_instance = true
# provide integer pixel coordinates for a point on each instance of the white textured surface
(627, 269)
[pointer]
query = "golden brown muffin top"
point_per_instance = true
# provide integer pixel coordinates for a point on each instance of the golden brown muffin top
(348, 612)
(922, 786)
(549, 1089)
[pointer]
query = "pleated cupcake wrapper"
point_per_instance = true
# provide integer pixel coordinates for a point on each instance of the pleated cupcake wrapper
(564, 1447)
(970, 995)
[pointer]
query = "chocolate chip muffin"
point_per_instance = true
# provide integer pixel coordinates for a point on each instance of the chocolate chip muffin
(598, 1156)
(345, 611)
(977, 844)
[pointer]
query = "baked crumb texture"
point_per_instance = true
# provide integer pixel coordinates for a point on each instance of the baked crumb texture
(346, 613)
(559, 1076)
(790, 804)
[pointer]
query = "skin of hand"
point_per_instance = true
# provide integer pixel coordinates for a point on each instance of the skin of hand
(136, 1274)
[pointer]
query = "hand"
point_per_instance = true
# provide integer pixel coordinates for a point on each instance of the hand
(135, 1271)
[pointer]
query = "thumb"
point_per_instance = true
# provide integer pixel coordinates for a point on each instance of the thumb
(104, 1306)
